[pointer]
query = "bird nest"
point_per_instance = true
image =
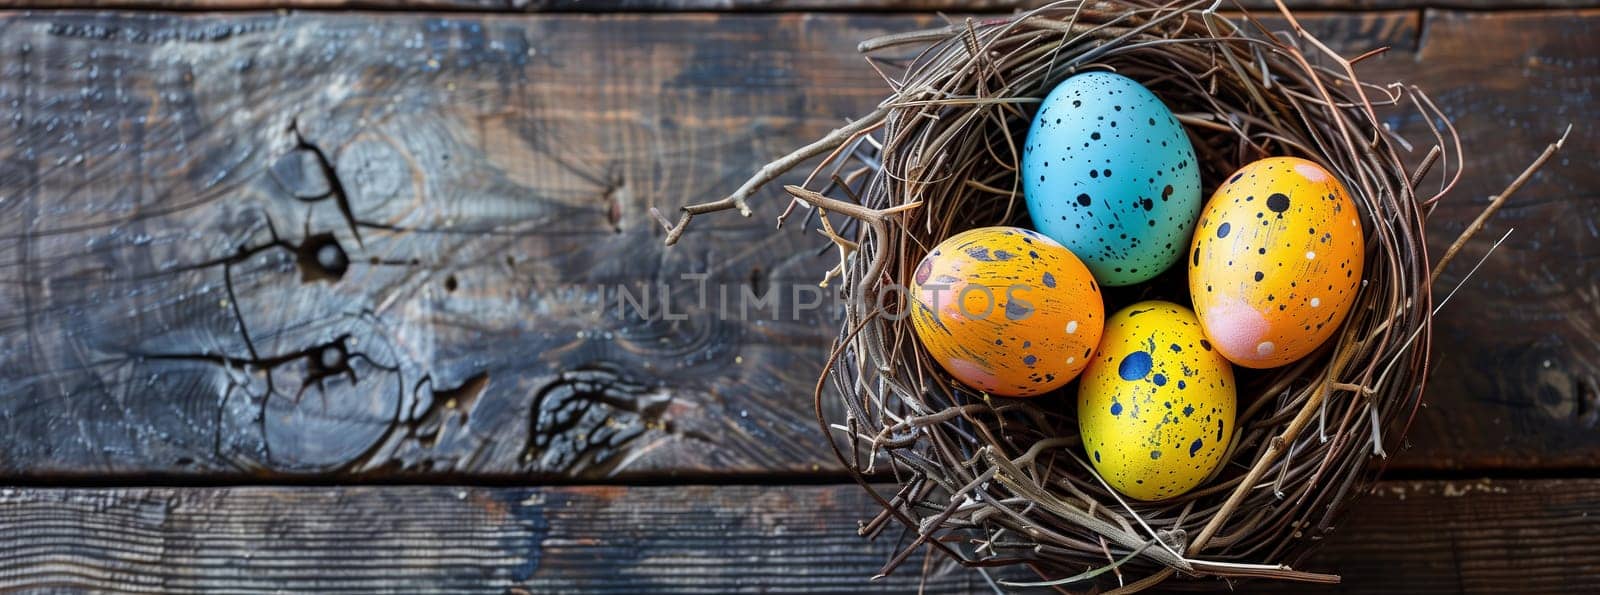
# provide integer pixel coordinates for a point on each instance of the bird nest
(993, 481)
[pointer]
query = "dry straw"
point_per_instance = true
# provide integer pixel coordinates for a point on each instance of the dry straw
(995, 481)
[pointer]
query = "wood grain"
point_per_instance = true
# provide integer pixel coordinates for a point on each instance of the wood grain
(271, 245)
(342, 244)
(1482, 536)
(1411, 537)
(1516, 381)
(397, 539)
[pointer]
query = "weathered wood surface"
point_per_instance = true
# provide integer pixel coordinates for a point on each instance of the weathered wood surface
(1516, 381)
(1409, 537)
(351, 243)
(747, 5)
(400, 539)
(378, 243)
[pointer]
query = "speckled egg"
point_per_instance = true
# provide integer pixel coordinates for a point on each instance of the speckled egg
(1156, 406)
(1006, 311)
(1110, 173)
(1276, 261)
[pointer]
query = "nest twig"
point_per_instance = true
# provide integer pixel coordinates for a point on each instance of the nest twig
(994, 482)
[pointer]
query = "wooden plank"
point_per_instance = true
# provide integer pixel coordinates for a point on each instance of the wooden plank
(744, 5)
(1413, 537)
(188, 293)
(343, 243)
(1516, 380)
(400, 539)
(1482, 536)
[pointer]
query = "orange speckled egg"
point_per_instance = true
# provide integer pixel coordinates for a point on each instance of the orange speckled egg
(1006, 310)
(1276, 261)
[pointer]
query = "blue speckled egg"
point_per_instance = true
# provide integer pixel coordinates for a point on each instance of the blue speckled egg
(1109, 173)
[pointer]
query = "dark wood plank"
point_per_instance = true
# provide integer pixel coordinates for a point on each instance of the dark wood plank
(1516, 379)
(399, 539)
(746, 5)
(1483, 536)
(1411, 537)
(345, 243)
(167, 178)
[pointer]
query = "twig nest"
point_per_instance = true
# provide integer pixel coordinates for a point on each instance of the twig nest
(991, 481)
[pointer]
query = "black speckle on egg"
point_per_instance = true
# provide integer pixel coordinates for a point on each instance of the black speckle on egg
(1260, 276)
(1083, 199)
(1278, 203)
(1094, 135)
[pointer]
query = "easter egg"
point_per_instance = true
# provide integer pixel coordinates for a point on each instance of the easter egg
(1156, 406)
(1276, 261)
(1109, 173)
(1006, 311)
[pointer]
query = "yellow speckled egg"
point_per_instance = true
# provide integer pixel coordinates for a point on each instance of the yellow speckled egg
(1275, 262)
(1156, 406)
(1006, 311)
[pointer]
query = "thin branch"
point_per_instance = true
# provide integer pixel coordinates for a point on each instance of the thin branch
(1497, 202)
